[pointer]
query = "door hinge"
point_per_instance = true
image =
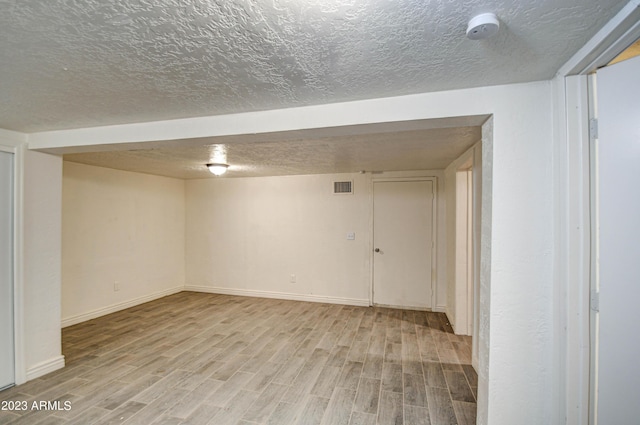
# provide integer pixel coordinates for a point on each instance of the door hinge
(593, 128)
(595, 301)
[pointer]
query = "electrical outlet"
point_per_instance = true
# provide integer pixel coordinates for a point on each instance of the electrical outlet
(292, 278)
(116, 286)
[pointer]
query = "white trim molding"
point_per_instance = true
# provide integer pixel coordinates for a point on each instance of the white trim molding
(11, 141)
(79, 318)
(572, 169)
(45, 367)
(279, 295)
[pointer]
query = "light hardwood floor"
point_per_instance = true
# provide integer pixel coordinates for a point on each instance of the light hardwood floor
(195, 358)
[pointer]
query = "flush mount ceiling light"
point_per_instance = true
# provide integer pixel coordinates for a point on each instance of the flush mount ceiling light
(483, 26)
(218, 169)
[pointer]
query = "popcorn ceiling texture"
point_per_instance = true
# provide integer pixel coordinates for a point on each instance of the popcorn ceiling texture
(409, 150)
(81, 63)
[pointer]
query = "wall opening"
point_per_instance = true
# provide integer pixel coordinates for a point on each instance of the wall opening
(464, 293)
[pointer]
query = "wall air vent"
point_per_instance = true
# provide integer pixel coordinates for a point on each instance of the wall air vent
(343, 188)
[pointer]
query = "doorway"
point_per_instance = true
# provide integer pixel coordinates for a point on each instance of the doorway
(404, 243)
(7, 341)
(615, 150)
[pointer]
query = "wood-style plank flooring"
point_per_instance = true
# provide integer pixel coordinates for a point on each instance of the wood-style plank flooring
(195, 358)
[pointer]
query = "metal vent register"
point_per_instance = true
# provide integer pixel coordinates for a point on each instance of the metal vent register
(342, 187)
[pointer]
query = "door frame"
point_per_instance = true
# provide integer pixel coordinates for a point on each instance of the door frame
(594, 324)
(573, 221)
(17, 149)
(434, 236)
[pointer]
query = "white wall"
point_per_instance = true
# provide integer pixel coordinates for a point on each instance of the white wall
(486, 402)
(42, 262)
(120, 227)
(522, 251)
(248, 235)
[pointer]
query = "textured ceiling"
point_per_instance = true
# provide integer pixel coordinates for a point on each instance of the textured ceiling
(81, 63)
(405, 150)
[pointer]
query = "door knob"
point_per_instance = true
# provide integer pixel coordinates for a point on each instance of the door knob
(377, 250)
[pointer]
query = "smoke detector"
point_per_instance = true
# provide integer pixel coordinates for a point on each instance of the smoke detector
(483, 26)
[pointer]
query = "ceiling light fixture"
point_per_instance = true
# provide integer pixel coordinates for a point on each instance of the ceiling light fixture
(483, 26)
(218, 169)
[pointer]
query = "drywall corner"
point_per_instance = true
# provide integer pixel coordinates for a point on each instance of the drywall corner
(42, 201)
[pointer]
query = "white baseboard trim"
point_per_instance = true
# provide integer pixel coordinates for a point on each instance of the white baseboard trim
(73, 320)
(278, 295)
(45, 367)
(440, 309)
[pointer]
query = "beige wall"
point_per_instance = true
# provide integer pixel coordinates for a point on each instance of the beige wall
(118, 227)
(249, 235)
(41, 263)
(242, 236)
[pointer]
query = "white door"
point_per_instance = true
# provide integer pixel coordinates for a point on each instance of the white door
(403, 237)
(618, 344)
(7, 368)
